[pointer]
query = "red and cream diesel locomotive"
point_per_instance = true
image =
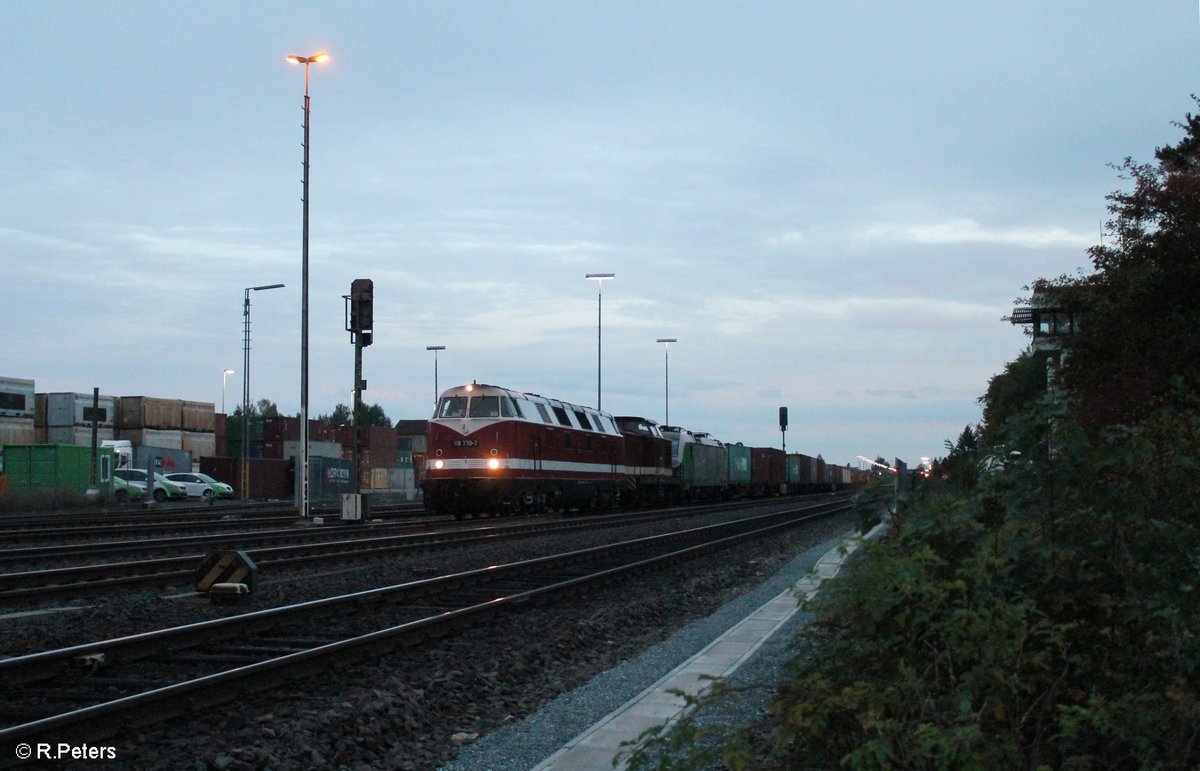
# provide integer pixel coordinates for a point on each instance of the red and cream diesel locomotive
(493, 450)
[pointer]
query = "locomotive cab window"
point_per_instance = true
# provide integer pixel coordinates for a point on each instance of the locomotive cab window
(453, 407)
(485, 407)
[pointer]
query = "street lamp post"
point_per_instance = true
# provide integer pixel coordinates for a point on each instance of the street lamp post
(245, 482)
(599, 278)
(435, 349)
(303, 493)
(666, 341)
(224, 377)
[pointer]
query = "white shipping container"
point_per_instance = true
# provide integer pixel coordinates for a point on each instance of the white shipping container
(153, 437)
(315, 450)
(72, 409)
(16, 398)
(80, 435)
(17, 431)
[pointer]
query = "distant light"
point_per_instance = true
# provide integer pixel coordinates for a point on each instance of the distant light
(493, 464)
(315, 58)
(437, 464)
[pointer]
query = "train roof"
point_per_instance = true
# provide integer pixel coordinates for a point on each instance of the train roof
(538, 408)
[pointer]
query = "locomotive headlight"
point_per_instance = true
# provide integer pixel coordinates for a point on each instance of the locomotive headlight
(437, 464)
(494, 464)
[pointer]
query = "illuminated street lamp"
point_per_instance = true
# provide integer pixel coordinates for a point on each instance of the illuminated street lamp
(666, 341)
(599, 278)
(246, 385)
(435, 349)
(303, 493)
(224, 377)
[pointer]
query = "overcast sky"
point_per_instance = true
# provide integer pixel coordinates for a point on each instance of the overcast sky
(830, 205)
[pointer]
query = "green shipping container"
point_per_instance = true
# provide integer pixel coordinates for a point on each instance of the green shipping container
(57, 466)
(739, 464)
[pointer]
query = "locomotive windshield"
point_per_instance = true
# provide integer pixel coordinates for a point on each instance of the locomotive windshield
(453, 407)
(476, 407)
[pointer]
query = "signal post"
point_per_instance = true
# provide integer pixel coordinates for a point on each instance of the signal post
(359, 323)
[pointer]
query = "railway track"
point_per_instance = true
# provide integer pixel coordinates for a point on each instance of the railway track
(349, 544)
(56, 527)
(87, 692)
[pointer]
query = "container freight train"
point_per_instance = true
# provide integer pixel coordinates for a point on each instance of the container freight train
(492, 450)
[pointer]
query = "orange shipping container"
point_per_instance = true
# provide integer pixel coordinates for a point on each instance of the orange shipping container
(199, 416)
(135, 412)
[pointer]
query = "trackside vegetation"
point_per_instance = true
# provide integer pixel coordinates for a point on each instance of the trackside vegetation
(1036, 604)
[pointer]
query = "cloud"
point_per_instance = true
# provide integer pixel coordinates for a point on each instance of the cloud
(42, 240)
(968, 231)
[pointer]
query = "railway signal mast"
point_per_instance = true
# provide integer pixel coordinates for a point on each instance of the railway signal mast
(360, 325)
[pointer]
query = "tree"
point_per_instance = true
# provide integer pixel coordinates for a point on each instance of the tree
(1140, 308)
(339, 417)
(263, 408)
(369, 416)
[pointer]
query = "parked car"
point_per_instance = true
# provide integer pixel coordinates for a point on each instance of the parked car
(201, 485)
(164, 488)
(124, 491)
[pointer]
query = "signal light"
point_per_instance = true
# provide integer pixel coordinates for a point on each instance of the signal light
(362, 292)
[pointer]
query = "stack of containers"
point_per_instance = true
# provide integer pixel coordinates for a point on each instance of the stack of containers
(151, 422)
(16, 411)
(68, 418)
(199, 427)
(378, 458)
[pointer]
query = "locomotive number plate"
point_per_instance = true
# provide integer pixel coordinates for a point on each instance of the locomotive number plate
(465, 443)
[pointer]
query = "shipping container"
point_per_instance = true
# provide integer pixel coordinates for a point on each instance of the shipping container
(380, 479)
(801, 472)
(254, 449)
(75, 409)
(739, 465)
(233, 428)
(221, 431)
(394, 479)
(153, 437)
(281, 428)
(329, 479)
(134, 412)
(200, 444)
(198, 416)
(17, 430)
(16, 398)
(58, 467)
(167, 460)
(768, 470)
(268, 479)
(79, 435)
(315, 450)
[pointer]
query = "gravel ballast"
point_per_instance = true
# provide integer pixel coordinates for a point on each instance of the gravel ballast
(418, 708)
(521, 746)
